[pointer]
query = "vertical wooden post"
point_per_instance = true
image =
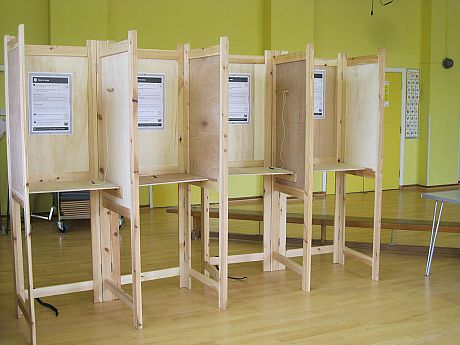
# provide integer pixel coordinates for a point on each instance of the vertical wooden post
(16, 239)
(308, 189)
(96, 251)
(223, 176)
(30, 278)
(267, 241)
(379, 171)
(134, 172)
(282, 227)
(115, 244)
(204, 229)
(185, 236)
(106, 252)
(275, 228)
(339, 218)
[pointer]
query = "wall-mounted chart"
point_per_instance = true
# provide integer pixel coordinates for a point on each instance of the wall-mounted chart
(412, 103)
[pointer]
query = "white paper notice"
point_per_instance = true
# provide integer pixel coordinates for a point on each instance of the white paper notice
(239, 97)
(50, 103)
(151, 101)
(319, 94)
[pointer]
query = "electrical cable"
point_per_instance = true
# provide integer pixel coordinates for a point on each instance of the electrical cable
(230, 277)
(48, 305)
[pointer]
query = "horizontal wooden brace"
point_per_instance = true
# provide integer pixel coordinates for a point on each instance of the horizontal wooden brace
(119, 292)
(202, 278)
(112, 206)
(62, 289)
(363, 60)
(297, 252)
(247, 59)
(152, 275)
(318, 62)
(235, 259)
(367, 173)
(292, 265)
(204, 52)
(291, 57)
(48, 50)
(114, 48)
(212, 270)
(358, 256)
(17, 197)
(158, 54)
(289, 190)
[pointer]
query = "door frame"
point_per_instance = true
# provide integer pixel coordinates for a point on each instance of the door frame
(402, 129)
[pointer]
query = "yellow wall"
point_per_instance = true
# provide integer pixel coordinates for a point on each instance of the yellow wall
(411, 30)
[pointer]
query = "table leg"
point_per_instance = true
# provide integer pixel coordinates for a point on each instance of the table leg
(434, 235)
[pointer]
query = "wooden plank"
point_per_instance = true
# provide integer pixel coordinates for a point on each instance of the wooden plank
(325, 62)
(205, 228)
(25, 312)
(293, 253)
(246, 59)
(96, 254)
(245, 164)
(152, 275)
(291, 57)
(203, 279)
(17, 197)
(115, 244)
(120, 293)
(157, 54)
(281, 248)
(70, 186)
(336, 167)
(339, 218)
(106, 252)
(379, 171)
(62, 289)
(113, 206)
(289, 190)
(113, 48)
(367, 173)
(18, 260)
(358, 256)
(153, 180)
(205, 52)
(293, 266)
(185, 236)
(92, 110)
(251, 171)
(239, 258)
(211, 270)
(363, 60)
(53, 50)
(182, 105)
(223, 173)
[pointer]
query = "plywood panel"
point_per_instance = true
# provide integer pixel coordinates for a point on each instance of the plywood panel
(159, 148)
(204, 116)
(361, 128)
(115, 98)
(15, 122)
(51, 156)
(325, 136)
(246, 141)
(290, 120)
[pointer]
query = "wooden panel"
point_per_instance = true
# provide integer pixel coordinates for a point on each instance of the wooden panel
(290, 120)
(204, 115)
(51, 155)
(69, 186)
(115, 101)
(15, 123)
(158, 148)
(258, 171)
(362, 123)
(154, 180)
(246, 141)
(325, 129)
(336, 167)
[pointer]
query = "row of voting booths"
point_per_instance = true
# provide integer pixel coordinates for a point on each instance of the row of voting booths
(110, 118)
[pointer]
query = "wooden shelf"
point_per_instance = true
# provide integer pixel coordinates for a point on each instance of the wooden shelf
(258, 171)
(153, 180)
(337, 167)
(70, 186)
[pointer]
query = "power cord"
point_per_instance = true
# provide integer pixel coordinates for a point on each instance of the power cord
(230, 277)
(48, 305)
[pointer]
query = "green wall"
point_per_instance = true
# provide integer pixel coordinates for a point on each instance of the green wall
(412, 31)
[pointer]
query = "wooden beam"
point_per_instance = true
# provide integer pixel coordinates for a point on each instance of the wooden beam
(62, 289)
(120, 293)
(110, 48)
(292, 57)
(239, 258)
(157, 54)
(363, 60)
(247, 59)
(358, 256)
(112, 206)
(48, 50)
(205, 280)
(24, 310)
(293, 266)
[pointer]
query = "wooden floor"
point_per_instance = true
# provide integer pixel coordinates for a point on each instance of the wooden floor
(344, 307)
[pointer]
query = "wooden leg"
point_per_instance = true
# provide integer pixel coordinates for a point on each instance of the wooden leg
(275, 229)
(16, 237)
(196, 229)
(28, 240)
(136, 269)
(282, 227)
(307, 239)
(106, 252)
(185, 236)
(323, 234)
(115, 243)
(223, 251)
(96, 245)
(268, 194)
(204, 229)
(377, 225)
(339, 220)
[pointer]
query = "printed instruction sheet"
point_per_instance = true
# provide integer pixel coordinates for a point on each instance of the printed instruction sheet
(239, 98)
(151, 101)
(319, 94)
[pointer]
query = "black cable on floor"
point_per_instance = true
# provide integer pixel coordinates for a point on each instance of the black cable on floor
(234, 278)
(47, 305)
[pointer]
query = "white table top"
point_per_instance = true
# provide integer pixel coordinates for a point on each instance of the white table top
(451, 196)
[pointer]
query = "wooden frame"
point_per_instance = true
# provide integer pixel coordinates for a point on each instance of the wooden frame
(75, 161)
(350, 139)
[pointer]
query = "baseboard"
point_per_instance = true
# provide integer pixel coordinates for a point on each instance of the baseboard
(436, 188)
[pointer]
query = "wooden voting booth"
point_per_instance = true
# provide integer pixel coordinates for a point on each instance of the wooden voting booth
(348, 138)
(72, 152)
